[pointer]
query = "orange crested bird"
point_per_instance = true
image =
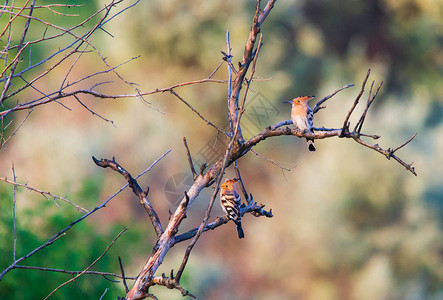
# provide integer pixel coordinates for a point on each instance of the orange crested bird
(230, 202)
(302, 116)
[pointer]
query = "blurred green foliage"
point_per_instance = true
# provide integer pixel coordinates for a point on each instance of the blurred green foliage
(74, 251)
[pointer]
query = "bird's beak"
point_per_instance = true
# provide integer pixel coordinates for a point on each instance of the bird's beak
(290, 101)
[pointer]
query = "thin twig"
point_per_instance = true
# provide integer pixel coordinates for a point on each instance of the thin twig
(72, 67)
(104, 274)
(191, 164)
(345, 123)
(259, 17)
(404, 144)
(216, 69)
(12, 20)
(242, 185)
(20, 49)
(248, 81)
(387, 153)
(198, 114)
(14, 201)
(318, 106)
(272, 161)
(44, 194)
(79, 39)
(123, 274)
(229, 61)
(360, 122)
(93, 112)
(104, 293)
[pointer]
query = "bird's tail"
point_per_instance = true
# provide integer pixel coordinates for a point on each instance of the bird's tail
(311, 146)
(240, 232)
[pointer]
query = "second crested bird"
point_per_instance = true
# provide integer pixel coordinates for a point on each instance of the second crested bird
(230, 202)
(302, 116)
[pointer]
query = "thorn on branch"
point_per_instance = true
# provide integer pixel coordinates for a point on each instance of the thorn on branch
(226, 56)
(123, 274)
(191, 164)
(237, 172)
(203, 168)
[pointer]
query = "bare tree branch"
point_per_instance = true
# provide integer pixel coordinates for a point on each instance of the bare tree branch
(14, 201)
(272, 161)
(318, 106)
(3, 141)
(191, 164)
(404, 144)
(345, 126)
(133, 184)
(259, 17)
(93, 112)
(242, 185)
(123, 274)
(228, 58)
(104, 274)
(218, 128)
(43, 193)
(360, 122)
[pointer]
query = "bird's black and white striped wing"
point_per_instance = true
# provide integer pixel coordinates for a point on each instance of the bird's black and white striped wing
(230, 202)
(310, 119)
(231, 205)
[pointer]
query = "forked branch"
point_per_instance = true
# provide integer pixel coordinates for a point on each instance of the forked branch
(133, 184)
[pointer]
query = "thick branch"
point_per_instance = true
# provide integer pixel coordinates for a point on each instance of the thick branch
(259, 17)
(326, 133)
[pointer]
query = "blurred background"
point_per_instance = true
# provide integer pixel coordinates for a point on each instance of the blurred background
(348, 223)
